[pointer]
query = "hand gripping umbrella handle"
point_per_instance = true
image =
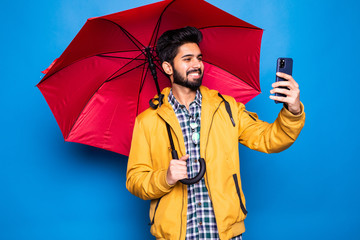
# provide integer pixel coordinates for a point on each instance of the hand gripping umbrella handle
(198, 177)
(187, 181)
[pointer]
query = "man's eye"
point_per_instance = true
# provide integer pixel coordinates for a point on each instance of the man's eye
(187, 59)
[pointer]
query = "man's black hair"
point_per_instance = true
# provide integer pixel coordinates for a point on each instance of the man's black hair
(170, 41)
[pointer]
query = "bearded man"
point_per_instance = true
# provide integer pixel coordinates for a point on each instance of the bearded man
(214, 207)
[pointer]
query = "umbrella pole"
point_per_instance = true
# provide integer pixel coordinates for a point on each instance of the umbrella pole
(174, 154)
(153, 70)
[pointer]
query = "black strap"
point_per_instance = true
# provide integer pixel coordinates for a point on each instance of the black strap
(228, 109)
(173, 151)
(155, 106)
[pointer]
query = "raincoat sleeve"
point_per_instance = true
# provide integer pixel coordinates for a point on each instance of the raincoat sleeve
(142, 180)
(266, 137)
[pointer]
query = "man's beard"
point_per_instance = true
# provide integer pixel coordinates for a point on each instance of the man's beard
(193, 85)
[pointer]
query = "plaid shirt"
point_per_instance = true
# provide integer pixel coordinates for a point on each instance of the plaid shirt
(201, 223)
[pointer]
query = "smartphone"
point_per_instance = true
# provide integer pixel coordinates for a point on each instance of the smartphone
(284, 65)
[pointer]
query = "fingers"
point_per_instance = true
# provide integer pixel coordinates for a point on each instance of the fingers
(291, 96)
(177, 170)
(279, 98)
(280, 90)
(290, 89)
(184, 158)
(283, 75)
(290, 80)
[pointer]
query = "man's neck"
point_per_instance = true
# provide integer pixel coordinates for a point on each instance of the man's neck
(183, 95)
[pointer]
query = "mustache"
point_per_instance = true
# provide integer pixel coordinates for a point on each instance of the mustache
(193, 71)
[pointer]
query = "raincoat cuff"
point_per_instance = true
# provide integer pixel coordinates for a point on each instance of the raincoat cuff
(163, 181)
(290, 115)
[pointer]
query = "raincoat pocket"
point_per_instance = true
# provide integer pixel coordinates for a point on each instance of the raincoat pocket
(152, 218)
(242, 206)
(253, 115)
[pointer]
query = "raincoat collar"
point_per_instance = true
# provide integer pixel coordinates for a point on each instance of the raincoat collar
(210, 103)
(176, 105)
(209, 98)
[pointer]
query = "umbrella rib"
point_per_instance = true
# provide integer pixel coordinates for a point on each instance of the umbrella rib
(128, 58)
(78, 60)
(125, 66)
(111, 78)
(232, 75)
(104, 54)
(131, 37)
(125, 51)
(94, 94)
(157, 27)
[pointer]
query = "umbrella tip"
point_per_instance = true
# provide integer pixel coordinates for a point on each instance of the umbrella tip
(92, 18)
(51, 65)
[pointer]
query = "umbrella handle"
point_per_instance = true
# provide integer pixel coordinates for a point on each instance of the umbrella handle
(198, 177)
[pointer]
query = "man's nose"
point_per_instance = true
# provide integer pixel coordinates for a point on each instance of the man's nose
(196, 63)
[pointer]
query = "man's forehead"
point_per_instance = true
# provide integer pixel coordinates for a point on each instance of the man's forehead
(189, 49)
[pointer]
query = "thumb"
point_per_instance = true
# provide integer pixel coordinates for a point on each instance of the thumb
(184, 158)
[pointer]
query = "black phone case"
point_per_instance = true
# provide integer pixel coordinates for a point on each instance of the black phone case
(287, 68)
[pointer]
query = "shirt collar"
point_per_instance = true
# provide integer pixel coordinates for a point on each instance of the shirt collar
(176, 105)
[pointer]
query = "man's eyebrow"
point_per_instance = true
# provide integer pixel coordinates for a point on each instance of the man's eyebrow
(191, 55)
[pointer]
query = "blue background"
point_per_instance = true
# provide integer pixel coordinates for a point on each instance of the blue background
(50, 189)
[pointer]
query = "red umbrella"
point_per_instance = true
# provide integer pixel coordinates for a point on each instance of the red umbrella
(102, 81)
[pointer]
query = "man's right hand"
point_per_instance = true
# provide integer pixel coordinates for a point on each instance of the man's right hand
(177, 170)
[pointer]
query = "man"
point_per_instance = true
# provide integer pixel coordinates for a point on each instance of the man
(201, 127)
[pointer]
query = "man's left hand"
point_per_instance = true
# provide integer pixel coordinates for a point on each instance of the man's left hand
(292, 99)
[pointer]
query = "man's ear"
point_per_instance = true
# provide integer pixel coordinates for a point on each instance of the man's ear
(167, 68)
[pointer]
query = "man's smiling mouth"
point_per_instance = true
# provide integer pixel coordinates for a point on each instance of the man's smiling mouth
(194, 73)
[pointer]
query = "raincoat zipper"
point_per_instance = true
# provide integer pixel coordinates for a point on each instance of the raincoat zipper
(250, 115)
(157, 204)
(207, 141)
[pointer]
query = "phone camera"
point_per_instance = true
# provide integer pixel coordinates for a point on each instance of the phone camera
(282, 63)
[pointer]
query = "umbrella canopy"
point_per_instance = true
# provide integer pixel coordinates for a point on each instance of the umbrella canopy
(102, 81)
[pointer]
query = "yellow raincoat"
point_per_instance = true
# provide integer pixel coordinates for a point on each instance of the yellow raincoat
(150, 156)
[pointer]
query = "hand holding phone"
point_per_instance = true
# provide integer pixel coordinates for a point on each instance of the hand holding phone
(283, 65)
(285, 88)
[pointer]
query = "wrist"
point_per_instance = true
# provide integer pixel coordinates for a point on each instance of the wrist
(294, 111)
(169, 181)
